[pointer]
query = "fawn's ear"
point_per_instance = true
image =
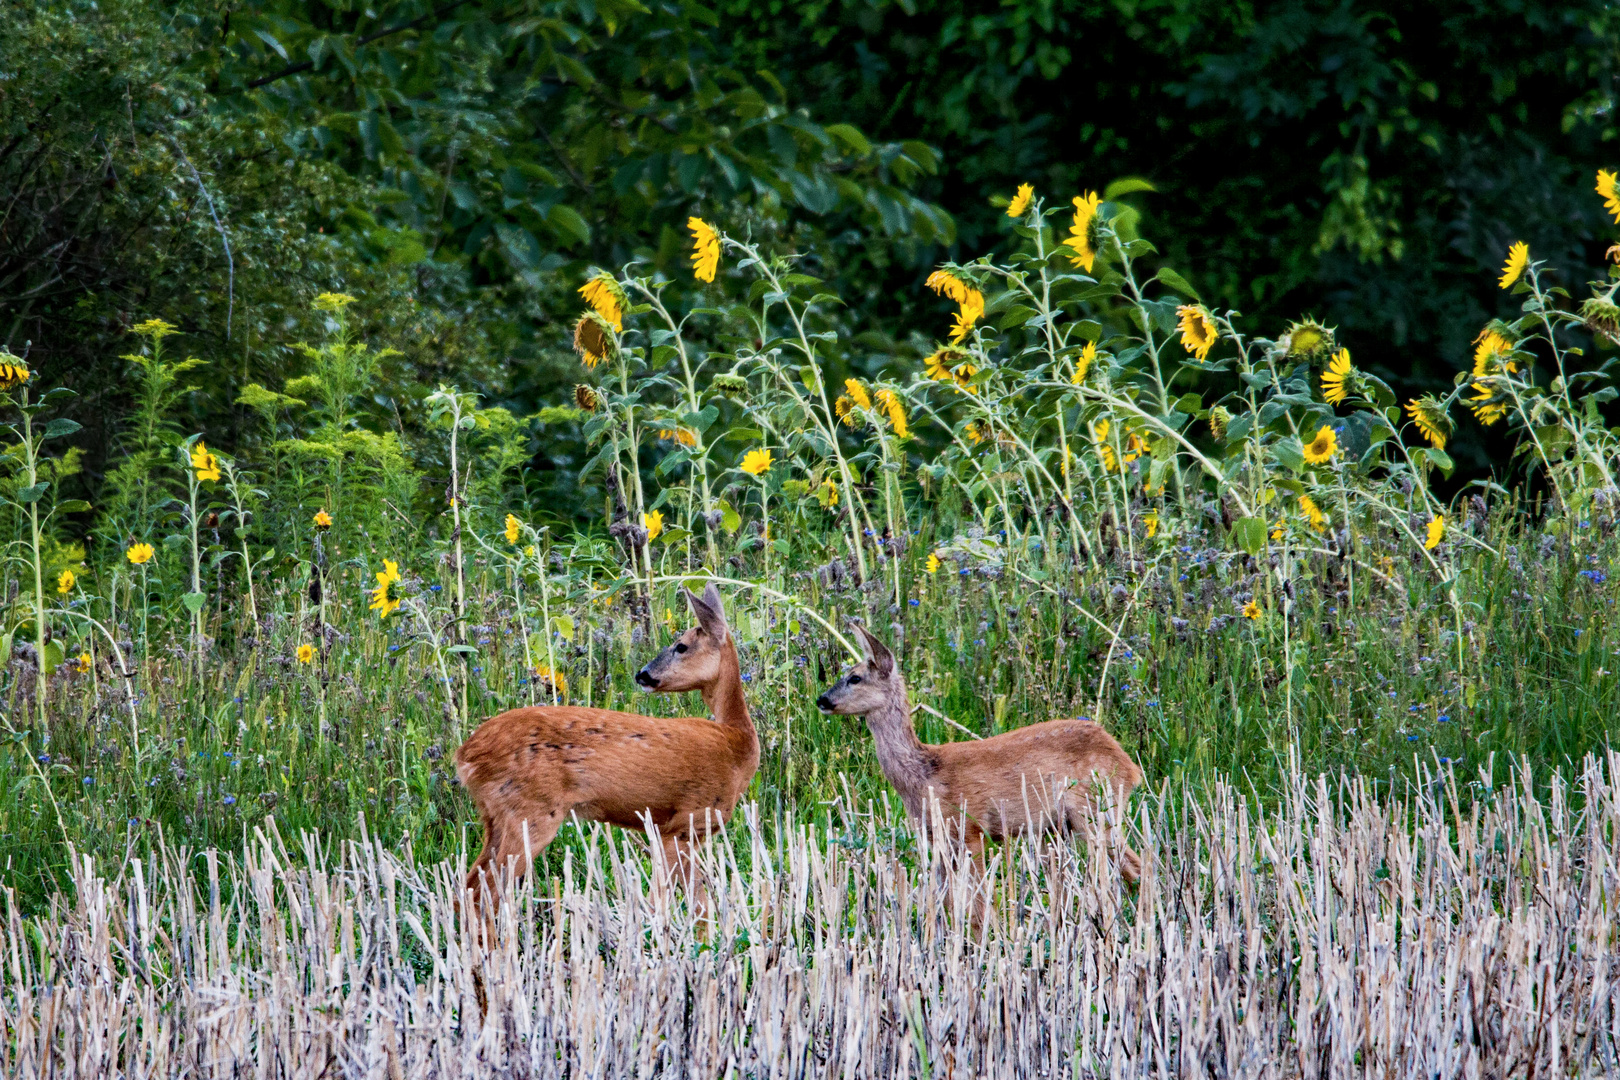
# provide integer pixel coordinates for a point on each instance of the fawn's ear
(878, 653)
(710, 615)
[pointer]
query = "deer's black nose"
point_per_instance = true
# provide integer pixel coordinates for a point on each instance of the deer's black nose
(823, 704)
(644, 679)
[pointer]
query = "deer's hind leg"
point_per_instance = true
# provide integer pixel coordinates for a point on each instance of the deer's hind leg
(1084, 812)
(513, 833)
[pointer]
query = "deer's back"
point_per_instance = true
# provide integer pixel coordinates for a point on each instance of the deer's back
(606, 765)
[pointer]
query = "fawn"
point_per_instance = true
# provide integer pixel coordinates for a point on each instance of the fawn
(1035, 779)
(528, 769)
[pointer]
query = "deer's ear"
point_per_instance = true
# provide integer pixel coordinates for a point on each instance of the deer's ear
(877, 652)
(711, 617)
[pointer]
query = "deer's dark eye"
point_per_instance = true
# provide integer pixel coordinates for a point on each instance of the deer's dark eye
(680, 646)
(854, 679)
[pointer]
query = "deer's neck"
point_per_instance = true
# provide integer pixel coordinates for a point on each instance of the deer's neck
(905, 760)
(724, 696)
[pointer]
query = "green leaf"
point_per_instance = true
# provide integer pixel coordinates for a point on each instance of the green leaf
(566, 220)
(1178, 283)
(1125, 185)
(564, 625)
(1441, 459)
(464, 650)
(61, 426)
(851, 137)
(1249, 534)
(72, 506)
(730, 520)
(194, 601)
(33, 493)
(54, 655)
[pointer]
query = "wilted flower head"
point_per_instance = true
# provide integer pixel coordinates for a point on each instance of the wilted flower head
(969, 301)
(1601, 317)
(1219, 417)
(705, 249)
(585, 397)
(732, 386)
(682, 436)
(1309, 341)
(593, 339)
(1431, 419)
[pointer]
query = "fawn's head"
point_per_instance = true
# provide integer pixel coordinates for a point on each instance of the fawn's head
(693, 662)
(872, 684)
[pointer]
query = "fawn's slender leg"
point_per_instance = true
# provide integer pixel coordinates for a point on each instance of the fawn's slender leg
(507, 839)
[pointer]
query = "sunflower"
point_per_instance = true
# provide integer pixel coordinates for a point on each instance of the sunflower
(606, 298)
(857, 393)
(1339, 372)
(705, 249)
(306, 653)
(1082, 363)
(140, 554)
(682, 436)
(514, 529)
(975, 434)
(1606, 188)
(13, 372)
(1487, 406)
(757, 462)
(1020, 201)
(654, 524)
(1322, 448)
(845, 410)
(204, 464)
(1601, 317)
(938, 366)
(1198, 332)
(1308, 341)
(593, 339)
(969, 301)
(1430, 417)
(1313, 513)
(1219, 417)
(1251, 611)
(890, 402)
(932, 566)
(1082, 233)
(1518, 258)
(322, 520)
(1437, 532)
(1493, 355)
(1151, 520)
(827, 494)
(557, 680)
(585, 397)
(86, 662)
(383, 600)
(64, 582)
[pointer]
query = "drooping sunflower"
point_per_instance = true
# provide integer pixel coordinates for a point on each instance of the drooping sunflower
(1601, 317)
(1198, 333)
(705, 249)
(1606, 187)
(1493, 355)
(1020, 201)
(606, 298)
(845, 410)
(681, 436)
(1437, 532)
(1313, 513)
(1321, 449)
(13, 372)
(1309, 341)
(1488, 406)
(827, 494)
(383, 600)
(857, 393)
(1431, 419)
(654, 524)
(969, 301)
(585, 397)
(1082, 363)
(593, 339)
(1518, 258)
(204, 464)
(1219, 417)
(757, 462)
(1082, 234)
(975, 433)
(890, 402)
(939, 367)
(1338, 379)
(514, 529)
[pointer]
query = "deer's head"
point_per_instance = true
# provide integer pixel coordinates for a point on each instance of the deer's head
(873, 682)
(693, 662)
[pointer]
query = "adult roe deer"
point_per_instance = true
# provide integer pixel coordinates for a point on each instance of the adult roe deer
(1035, 779)
(530, 768)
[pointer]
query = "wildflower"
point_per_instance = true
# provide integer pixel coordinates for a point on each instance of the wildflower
(1308, 341)
(1606, 188)
(558, 681)
(1151, 521)
(1279, 529)
(13, 372)
(64, 582)
(1020, 201)
(1313, 513)
(845, 410)
(1082, 363)
(332, 301)
(890, 403)
(654, 524)
(937, 366)
(1518, 258)
(1337, 380)
(1218, 419)
(323, 520)
(1198, 332)
(1437, 532)
(156, 329)
(140, 554)
(757, 462)
(969, 301)
(682, 436)
(975, 434)
(86, 662)
(827, 494)
(585, 397)
(1430, 417)
(1488, 408)
(1322, 448)
(932, 566)
(204, 464)
(606, 298)
(1082, 236)
(383, 600)
(1251, 611)
(1493, 356)
(705, 249)
(514, 529)
(593, 339)
(306, 653)
(857, 393)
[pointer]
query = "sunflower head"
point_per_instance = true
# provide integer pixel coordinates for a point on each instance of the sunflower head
(1517, 259)
(1082, 363)
(1430, 417)
(203, 463)
(1313, 513)
(1606, 187)
(1493, 354)
(654, 524)
(585, 397)
(593, 339)
(1308, 341)
(1219, 417)
(757, 462)
(140, 554)
(857, 393)
(1321, 449)
(705, 249)
(1339, 380)
(383, 599)
(1198, 333)
(1437, 532)
(1083, 240)
(323, 520)
(606, 298)
(13, 372)
(1602, 317)
(1251, 611)
(890, 403)
(732, 386)
(306, 653)
(1020, 202)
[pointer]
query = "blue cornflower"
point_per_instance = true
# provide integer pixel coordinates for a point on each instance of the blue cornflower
(1443, 718)
(89, 780)
(230, 800)
(916, 603)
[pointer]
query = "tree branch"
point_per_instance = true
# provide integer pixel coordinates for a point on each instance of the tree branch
(307, 65)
